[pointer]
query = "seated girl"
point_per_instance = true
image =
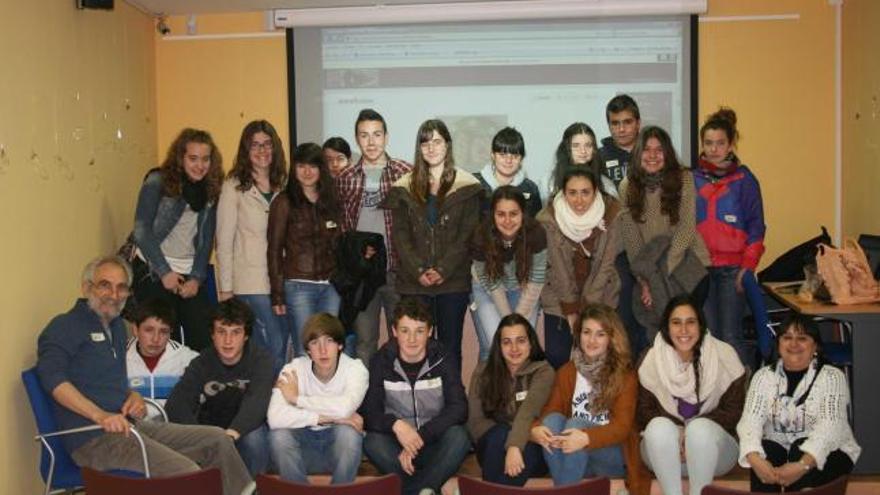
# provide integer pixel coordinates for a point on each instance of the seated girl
(507, 393)
(587, 426)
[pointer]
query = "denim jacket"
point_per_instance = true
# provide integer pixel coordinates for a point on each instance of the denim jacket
(155, 217)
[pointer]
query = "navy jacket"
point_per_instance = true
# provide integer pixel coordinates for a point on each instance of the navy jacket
(76, 348)
(436, 402)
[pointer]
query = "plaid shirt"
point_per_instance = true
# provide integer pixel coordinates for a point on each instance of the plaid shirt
(350, 188)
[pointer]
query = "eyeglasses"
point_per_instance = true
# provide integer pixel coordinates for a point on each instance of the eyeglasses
(106, 287)
(267, 146)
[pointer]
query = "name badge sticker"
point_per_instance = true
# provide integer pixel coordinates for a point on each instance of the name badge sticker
(521, 396)
(730, 218)
(98, 337)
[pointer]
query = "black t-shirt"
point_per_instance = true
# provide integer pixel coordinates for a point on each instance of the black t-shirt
(412, 370)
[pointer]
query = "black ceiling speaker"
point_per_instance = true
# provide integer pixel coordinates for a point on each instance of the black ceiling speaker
(94, 4)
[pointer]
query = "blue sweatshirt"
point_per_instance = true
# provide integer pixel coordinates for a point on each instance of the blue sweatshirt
(75, 347)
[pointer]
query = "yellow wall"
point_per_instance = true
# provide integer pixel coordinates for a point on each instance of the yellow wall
(68, 182)
(220, 85)
(778, 76)
(861, 117)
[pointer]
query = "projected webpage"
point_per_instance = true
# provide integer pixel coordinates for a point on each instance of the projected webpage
(478, 78)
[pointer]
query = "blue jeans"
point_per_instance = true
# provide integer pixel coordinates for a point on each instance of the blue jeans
(448, 313)
(303, 451)
(303, 299)
(567, 469)
(755, 298)
(491, 455)
(487, 317)
(557, 340)
(269, 328)
(638, 339)
(435, 463)
(254, 450)
(724, 311)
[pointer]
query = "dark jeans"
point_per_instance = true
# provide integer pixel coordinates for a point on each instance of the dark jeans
(837, 464)
(253, 447)
(491, 455)
(193, 314)
(448, 312)
(435, 463)
(724, 311)
(557, 340)
(638, 339)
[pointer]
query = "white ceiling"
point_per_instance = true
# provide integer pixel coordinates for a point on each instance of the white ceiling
(185, 7)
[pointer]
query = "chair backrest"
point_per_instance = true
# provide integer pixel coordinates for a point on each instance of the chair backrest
(205, 482)
(43, 406)
(836, 487)
(383, 485)
(474, 486)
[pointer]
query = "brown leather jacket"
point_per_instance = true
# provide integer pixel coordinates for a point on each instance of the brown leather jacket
(302, 244)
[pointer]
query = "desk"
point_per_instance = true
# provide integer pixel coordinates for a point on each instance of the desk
(865, 320)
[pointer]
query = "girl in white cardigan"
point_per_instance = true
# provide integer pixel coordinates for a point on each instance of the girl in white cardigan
(794, 431)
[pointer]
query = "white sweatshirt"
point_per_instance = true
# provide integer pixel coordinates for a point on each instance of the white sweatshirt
(338, 398)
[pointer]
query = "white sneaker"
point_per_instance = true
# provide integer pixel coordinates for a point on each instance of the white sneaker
(622, 491)
(426, 491)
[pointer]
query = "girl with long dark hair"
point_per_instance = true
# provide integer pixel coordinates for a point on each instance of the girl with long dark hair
(579, 149)
(303, 234)
(691, 393)
(582, 243)
(507, 393)
(510, 262)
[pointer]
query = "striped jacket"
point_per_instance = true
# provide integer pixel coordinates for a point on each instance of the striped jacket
(432, 404)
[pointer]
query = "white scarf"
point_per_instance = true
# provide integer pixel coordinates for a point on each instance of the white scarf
(665, 375)
(488, 174)
(578, 227)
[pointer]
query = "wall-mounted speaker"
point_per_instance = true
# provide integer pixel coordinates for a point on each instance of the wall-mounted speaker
(94, 4)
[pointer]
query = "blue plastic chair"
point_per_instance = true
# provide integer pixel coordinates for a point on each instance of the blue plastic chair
(59, 471)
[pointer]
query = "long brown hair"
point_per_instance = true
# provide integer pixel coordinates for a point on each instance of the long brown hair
(618, 361)
(671, 182)
(172, 170)
(242, 169)
(564, 161)
(493, 245)
(420, 186)
(496, 383)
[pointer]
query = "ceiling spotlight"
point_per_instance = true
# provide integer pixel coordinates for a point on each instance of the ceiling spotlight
(162, 26)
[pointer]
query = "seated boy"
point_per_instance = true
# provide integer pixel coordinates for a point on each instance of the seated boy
(229, 385)
(155, 362)
(415, 408)
(314, 426)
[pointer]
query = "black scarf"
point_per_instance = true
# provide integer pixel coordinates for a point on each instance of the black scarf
(195, 194)
(653, 181)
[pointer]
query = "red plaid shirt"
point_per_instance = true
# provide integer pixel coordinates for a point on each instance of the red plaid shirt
(350, 188)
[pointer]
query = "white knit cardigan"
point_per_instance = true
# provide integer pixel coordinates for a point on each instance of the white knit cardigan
(826, 426)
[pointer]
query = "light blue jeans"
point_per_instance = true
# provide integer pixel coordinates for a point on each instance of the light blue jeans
(709, 451)
(269, 329)
(254, 450)
(303, 299)
(303, 451)
(567, 469)
(487, 317)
